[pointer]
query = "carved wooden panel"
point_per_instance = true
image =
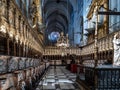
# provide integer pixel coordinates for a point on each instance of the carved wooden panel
(27, 63)
(27, 73)
(11, 19)
(38, 69)
(2, 84)
(13, 64)
(3, 64)
(34, 62)
(3, 6)
(111, 42)
(7, 82)
(22, 63)
(20, 76)
(31, 62)
(32, 71)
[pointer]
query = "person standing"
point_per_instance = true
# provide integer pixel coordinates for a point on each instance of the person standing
(116, 44)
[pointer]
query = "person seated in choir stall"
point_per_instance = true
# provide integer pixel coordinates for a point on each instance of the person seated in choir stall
(116, 44)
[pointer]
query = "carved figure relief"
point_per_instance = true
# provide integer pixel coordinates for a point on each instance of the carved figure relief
(7, 83)
(11, 15)
(27, 62)
(116, 42)
(16, 22)
(23, 84)
(32, 71)
(2, 7)
(28, 73)
(21, 26)
(20, 77)
(13, 64)
(3, 63)
(3, 66)
(31, 63)
(30, 80)
(2, 84)
(22, 63)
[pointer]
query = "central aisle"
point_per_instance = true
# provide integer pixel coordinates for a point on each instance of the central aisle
(58, 79)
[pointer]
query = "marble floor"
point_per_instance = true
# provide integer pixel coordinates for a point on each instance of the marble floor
(58, 79)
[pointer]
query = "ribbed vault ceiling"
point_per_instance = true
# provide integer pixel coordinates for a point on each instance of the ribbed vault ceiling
(56, 14)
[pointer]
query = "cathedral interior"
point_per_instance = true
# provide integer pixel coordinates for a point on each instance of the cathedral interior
(59, 45)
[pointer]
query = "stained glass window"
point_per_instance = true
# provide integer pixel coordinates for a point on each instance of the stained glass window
(53, 36)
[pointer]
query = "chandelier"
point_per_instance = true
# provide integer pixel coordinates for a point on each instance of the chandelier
(63, 41)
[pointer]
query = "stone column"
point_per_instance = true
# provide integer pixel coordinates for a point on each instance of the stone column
(96, 37)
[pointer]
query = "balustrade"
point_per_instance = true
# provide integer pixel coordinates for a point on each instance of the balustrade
(101, 77)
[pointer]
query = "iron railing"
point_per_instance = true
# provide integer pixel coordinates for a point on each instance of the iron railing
(103, 77)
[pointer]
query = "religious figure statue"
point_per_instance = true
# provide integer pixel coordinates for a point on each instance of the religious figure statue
(11, 15)
(116, 43)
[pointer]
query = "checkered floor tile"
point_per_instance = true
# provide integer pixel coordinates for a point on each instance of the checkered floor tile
(58, 79)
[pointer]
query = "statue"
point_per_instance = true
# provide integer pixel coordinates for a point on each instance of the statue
(116, 43)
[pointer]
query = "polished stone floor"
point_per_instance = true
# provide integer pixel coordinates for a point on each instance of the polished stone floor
(58, 79)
